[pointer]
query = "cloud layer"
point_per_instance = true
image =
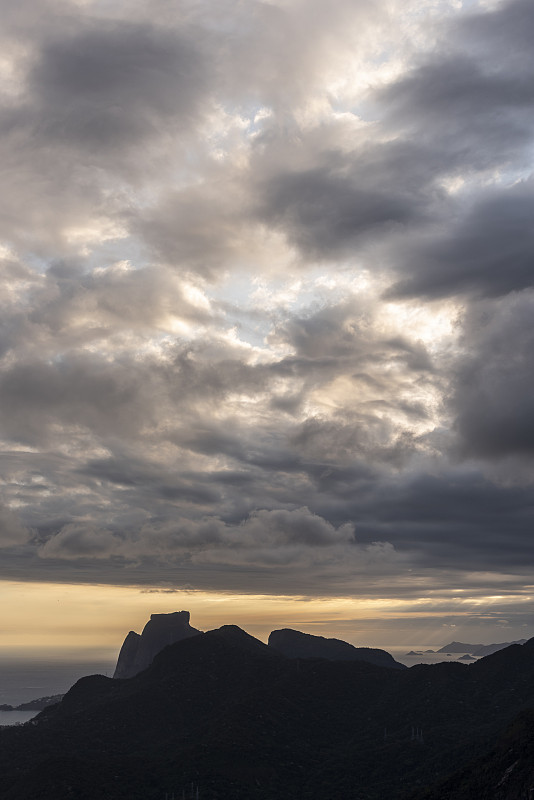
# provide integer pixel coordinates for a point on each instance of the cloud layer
(266, 319)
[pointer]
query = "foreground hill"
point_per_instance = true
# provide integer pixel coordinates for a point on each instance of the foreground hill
(506, 772)
(236, 720)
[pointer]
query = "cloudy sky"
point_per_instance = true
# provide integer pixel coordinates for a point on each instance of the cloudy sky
(267, 309)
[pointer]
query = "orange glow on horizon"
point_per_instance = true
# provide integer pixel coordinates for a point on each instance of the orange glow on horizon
(72, 618)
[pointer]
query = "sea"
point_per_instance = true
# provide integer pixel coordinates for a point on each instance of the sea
(409, 655)
(22, 681)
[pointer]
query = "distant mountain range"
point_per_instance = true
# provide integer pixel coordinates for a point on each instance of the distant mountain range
(222, 716)
(477, 649)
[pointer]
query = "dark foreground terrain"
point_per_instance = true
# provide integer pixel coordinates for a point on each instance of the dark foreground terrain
(223, 717)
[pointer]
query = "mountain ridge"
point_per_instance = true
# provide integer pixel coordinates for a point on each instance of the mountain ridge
(225, 712)
(295, 644)
(477, 649)
(138, 650)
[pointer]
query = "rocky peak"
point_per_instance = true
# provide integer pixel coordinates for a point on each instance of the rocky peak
(138, 650)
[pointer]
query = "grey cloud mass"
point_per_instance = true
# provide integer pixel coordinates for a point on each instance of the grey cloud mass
(488, 251)
(266, 319)
(493, 396)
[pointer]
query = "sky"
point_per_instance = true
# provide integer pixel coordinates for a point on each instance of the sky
(266, 330)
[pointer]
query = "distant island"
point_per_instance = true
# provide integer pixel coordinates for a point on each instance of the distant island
(468, 650)
(420, 652)
(34, 705)
(477, 649)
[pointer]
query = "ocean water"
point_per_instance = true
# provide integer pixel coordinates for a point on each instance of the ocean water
(15, 717)
(25, 680)
(411, 654)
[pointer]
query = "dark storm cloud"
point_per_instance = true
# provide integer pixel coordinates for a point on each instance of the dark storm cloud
(422, 521)
(12, 532)
(463, 109)
(494, 390)
(348, 197)
(114, 85)
(36, 397)
(475, 117)
(322, 212)
(488, 251)
(129, 502)
(151, 481)
(502, 36)
(91, 104)
(79, 541)
(266, 543)
(328, 210)
(298, 430)
(457, 512)
(473, 97)
(472, 104)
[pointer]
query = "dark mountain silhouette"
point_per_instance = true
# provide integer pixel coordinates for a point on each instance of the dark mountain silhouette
(488, 649)
(459, 647)
(295, 644)
(477, 649)
(138, 651)
(235, 719)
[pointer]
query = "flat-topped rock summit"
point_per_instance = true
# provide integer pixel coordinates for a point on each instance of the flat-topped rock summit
(138, 650)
